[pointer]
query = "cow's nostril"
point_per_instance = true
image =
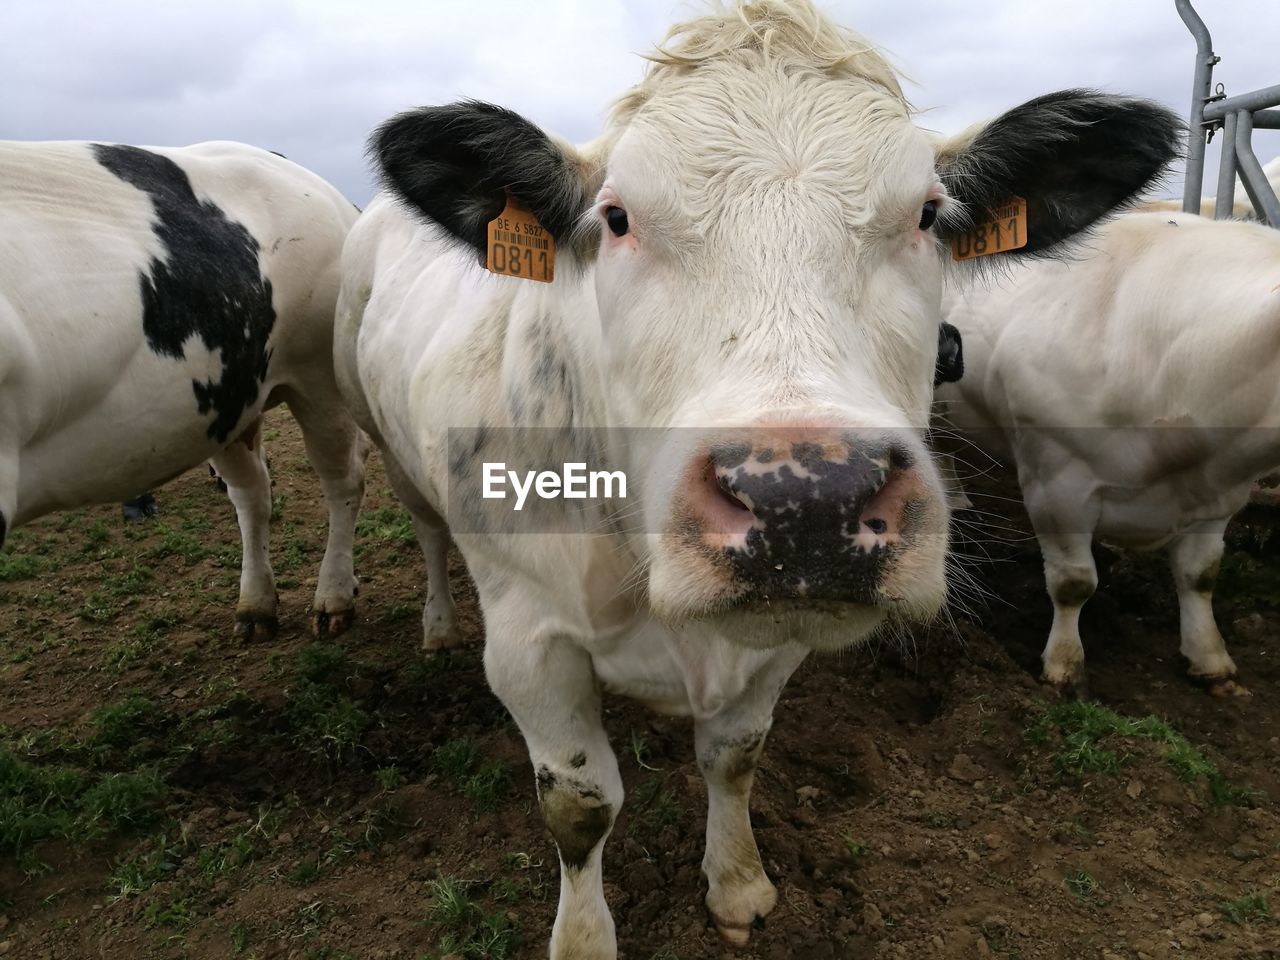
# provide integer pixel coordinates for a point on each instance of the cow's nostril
(729, 496)
(876, 525)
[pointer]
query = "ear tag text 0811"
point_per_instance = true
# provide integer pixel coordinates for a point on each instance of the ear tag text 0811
(1004, 228)
(519, 246)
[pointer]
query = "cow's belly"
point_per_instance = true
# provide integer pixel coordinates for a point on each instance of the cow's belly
(1161, 513)
(143, 429)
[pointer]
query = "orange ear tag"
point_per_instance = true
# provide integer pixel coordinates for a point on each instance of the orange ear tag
(1004, 229)
(519, 246)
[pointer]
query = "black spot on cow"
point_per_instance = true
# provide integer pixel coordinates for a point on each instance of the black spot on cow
(208, 284)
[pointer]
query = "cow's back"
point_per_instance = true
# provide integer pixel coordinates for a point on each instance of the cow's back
(153, 297)
(1158, 317)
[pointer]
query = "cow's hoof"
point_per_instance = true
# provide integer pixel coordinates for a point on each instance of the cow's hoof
(737, 934)
(256, 627)
(439, 637)
(741, 909)
(1071, 685)
(1223, 686)
(332, 623)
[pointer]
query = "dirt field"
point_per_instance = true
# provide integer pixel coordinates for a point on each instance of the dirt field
(168, 792)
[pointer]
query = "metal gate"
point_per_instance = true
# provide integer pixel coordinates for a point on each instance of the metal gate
(1237, 117)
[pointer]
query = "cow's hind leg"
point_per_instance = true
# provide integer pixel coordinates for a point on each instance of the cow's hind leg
(439, 618)
(1071, 577)
(1195, 557)
(548, 685)
(336, 449)
(244, 469)
(739, 895)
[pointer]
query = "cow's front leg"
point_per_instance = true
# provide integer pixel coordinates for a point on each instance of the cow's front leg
(1195, 558)
(548, 685)
(729, 743)
(244, 470)
(1072, 577)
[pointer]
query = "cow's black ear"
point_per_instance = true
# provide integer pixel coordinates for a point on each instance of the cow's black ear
(455, 164)
(1074, 156)
(950, 363)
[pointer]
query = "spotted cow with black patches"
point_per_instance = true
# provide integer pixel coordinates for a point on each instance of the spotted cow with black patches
(744, 320)
(154, 302)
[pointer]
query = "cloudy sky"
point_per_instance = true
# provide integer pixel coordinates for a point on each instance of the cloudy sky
(310, 78)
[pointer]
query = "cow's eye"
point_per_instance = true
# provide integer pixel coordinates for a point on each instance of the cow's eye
(616, 217)
(928, 214)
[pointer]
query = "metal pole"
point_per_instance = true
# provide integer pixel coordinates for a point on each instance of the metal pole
(1199, 95)
(1225, 203)
(1266, 120)
(1260, 193)
(1254, 100)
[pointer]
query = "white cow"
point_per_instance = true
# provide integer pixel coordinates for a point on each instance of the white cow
(1135, 390)
(1241, 205)
(153, 303)
(744, 322)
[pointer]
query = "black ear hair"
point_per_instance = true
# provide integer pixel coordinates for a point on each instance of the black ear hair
(1074, 156)
(949, 366)
(455, 165)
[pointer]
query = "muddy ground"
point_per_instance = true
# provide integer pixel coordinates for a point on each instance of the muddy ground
(167, 791)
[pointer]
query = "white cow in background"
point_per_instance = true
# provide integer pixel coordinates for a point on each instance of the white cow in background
(1136, 391)
(744, 321)
(1241, 205)
(153, 303)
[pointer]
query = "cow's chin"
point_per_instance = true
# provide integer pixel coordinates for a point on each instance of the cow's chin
(686, 590)
(763, 625)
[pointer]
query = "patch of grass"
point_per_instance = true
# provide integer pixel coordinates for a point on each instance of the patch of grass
(652, 806)
(640, 751)
(855, 848)
(456, 759)
(483, 782)
(99, 607)
(1085, 733)
(121, 800)
(305, 873)
(326, 720)
(937, 820)
(225, 857)
(179, 543)
(1247, 907)
(123, 724)
(240, 938)
(1082, 885)
(176, 914)
(132, 877)
(47, 802)
(467, 930)
(399, 613)
(18, 566)
(387, 524)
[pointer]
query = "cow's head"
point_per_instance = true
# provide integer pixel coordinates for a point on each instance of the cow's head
(763, 232)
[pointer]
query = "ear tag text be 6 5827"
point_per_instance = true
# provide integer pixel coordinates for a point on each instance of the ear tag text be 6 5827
(519, 246)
